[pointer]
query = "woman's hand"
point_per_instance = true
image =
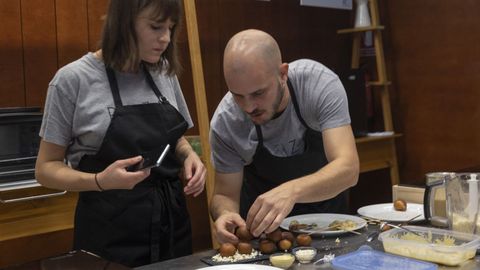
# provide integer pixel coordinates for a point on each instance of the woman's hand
(194, 173)
(116, 175)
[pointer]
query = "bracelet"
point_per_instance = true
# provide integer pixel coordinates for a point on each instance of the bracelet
(96, 182)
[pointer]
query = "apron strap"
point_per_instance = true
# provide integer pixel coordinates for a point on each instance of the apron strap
(259, 135)
(295, 104)
(116, 92)
(114, 87)
(152, 84)
(297, 111)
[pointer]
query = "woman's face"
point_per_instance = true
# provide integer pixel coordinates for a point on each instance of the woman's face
(153, 36)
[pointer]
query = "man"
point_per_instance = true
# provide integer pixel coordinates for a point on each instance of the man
(285, 128)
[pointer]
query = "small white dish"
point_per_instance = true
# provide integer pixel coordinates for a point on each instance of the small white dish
(386, 212)
(304, 254)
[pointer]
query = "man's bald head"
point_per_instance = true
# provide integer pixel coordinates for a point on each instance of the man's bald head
(251, 49)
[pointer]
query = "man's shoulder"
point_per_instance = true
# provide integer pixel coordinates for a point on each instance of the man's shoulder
(309, 67)
(229, 115)
(228, 111)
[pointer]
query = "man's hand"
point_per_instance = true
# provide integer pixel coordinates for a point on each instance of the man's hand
(270, 208)
(225, 227)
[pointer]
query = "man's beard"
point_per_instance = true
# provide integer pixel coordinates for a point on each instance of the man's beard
(274, 113)
(278, 101)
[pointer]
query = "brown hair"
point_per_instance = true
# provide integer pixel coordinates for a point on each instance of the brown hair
(119, 38)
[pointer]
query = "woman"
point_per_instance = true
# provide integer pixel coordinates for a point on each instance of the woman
(102, 112)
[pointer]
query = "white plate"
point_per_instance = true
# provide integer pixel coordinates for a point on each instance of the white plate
(240, 267)
(386, 212)
(323, 220)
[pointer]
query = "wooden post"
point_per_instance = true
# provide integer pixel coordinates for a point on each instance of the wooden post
(200, 98)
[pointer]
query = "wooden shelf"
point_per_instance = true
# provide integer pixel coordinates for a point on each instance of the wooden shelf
(367, 139)
(376, 152)
(360, 29)
(378, 83)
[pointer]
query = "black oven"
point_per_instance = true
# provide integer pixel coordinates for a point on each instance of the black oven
(19, 143)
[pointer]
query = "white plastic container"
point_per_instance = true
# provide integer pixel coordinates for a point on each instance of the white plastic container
(432, 248)
(304, 254)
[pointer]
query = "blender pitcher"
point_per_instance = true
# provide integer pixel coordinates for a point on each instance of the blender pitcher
(462, 201)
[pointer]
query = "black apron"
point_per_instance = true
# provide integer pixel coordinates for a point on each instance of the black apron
(268, 171)
(149, 223)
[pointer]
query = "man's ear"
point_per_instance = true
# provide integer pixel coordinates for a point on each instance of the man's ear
(284, 72)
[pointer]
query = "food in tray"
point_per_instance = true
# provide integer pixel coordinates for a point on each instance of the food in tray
(277, 240)
(400, 205)
(275, 236)
(446, 240)
(284, 244)
(227, 250)
(267, 246)
(243, 233)
(304, 239)
(440, 246)
(229, 253)
(296, 226)
(244, 248)
(345, 225)
(289, 236)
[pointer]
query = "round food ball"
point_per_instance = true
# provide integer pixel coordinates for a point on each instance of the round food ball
(400, 205)
(275, 236)
(284, 244)
(304, 239)
(244, 248)
(267, 246)
(227, 250)
(243, 234)
(289, 236)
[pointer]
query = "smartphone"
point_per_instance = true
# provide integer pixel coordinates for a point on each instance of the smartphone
(150, 159)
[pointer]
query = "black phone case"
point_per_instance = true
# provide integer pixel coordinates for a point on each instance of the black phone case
(149, 160)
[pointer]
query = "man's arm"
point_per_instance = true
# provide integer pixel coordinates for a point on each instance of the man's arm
(225, 205)
(270, 208)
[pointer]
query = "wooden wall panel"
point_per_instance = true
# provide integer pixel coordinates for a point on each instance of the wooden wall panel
(302, 32)
(12, 88)
(436, 85)
(96, 14)
(72, 30)
(40, 48)
(185, 76)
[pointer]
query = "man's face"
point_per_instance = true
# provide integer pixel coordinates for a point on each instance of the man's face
(258, 94)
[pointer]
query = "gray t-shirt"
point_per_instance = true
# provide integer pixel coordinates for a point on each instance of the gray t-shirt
(79, 103)
(323, 105)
